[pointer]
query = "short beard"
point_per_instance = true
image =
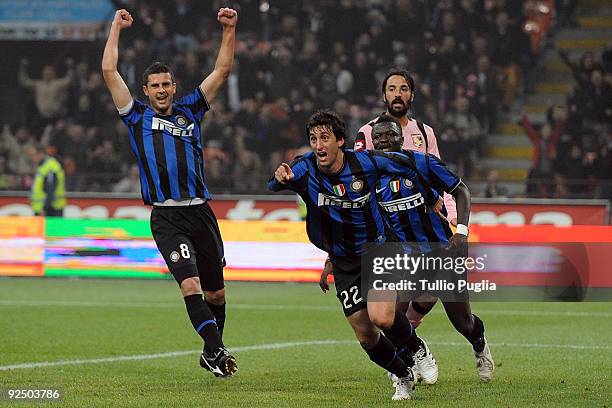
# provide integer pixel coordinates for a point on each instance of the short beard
(398, 114)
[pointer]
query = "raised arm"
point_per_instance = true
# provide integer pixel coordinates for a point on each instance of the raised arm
(24, 79)
(225, 59)
(117, 87)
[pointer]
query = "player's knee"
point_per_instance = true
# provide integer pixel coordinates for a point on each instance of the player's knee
(191, 286)
(216, 297)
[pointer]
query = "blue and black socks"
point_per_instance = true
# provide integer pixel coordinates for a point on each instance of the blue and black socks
(219, 312)
(384, 354)
(203, 322)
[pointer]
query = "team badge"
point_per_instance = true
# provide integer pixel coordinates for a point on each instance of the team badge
(339, 190)
(408, 183)
(181, 120)
(174, 256)
(356, 185)
(395, 186)
(417, 139)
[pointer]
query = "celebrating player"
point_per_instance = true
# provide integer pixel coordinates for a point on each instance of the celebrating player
(165, 138)
(398, 92)
(398, 95)
(416, 225)
(338, 187)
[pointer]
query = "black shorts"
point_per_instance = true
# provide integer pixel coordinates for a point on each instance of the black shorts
(190, 241)
(347, 278)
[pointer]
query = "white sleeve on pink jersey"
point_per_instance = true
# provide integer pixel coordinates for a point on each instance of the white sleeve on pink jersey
(432, 148)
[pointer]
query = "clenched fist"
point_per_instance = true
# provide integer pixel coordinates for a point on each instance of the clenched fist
(227, 17)
(123, 19)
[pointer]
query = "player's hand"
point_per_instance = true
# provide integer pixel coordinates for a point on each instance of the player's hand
(284, 174)
(123, 19)
(227, 17)
(458, 245)
(327, 270)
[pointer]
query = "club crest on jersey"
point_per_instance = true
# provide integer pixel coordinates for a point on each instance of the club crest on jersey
(408, 183)
(339, 190)
(356, 185)
(174, 256)
(181, 120)
(395, 186)
(417, 139)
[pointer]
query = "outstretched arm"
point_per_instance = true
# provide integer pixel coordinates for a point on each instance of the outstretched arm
(117, 87)
(289, 176)
(225, 59)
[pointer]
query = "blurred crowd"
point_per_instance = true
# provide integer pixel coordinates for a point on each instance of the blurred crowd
(573, 148)
(470, 59)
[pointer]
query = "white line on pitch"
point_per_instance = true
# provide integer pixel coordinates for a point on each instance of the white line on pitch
(272, 346)
(533, 345)
(72, 303)
(139, 357)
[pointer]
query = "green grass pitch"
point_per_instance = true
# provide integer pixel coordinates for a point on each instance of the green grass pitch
(293, 348)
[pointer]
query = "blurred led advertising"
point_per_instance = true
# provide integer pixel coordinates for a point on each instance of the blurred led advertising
(280, 251)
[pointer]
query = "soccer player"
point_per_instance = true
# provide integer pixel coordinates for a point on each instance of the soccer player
(416, 225)
(398, 95)
(165, 138)
(338, 187)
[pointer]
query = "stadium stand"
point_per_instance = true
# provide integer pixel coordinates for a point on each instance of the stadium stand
(476, 63)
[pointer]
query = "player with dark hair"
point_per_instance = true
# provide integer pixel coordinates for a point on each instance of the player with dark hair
(165, 138)
(338, 187)
(398, 92)
(411, 223)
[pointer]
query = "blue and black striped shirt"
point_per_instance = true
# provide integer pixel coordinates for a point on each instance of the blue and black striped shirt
(343, 214)
(169, 149)
(405, 211)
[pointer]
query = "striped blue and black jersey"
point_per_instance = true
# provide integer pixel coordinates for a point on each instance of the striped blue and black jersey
(402, 204)
(169, 148)
(342, 212)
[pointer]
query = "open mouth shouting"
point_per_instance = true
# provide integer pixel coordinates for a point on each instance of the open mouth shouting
(322, 156)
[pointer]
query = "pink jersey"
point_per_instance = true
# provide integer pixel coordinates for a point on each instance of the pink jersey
(413, 140)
